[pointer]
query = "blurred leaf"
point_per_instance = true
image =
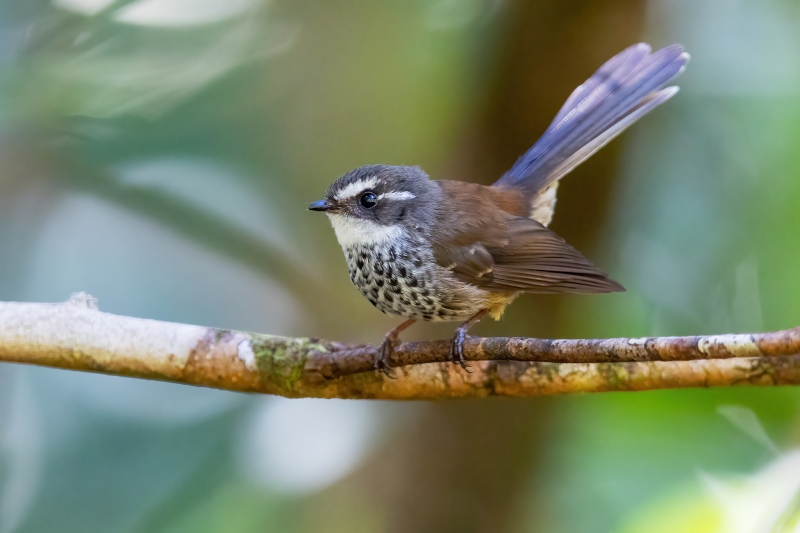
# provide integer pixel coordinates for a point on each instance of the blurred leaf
(687, 510)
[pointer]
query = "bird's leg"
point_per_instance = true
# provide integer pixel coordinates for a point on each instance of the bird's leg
(388, 345)
(457, 347)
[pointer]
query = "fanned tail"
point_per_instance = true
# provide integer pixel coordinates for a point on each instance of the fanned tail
(623, 90)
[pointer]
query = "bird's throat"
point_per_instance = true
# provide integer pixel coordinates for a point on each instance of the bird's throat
(355, 232)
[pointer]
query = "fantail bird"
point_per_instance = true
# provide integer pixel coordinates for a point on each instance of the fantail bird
(450, 250)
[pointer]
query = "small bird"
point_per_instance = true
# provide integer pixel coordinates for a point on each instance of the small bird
(439, 250)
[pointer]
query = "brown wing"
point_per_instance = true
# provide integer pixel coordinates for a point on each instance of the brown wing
(537, 260)
(497, 250)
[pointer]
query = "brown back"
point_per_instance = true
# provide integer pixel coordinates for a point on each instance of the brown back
(484, 236)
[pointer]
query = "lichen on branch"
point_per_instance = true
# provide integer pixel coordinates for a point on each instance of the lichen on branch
(75, 335)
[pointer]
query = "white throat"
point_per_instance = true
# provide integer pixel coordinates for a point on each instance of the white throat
(353, 232)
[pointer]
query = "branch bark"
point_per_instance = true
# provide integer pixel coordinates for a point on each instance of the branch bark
(76, 336)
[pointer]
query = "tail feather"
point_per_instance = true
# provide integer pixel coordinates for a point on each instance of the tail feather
(624, 89)
(618, 65)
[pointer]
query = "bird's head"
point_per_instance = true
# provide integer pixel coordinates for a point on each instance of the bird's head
(378, 203)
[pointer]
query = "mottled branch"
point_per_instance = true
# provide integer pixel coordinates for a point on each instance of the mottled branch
(75, 335)
(349, 360)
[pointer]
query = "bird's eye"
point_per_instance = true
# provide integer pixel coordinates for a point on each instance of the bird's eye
(368, 200)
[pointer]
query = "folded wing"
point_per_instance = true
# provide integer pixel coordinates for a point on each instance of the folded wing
(529, 257)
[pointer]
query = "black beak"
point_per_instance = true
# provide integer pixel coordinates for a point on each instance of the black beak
(321, 205)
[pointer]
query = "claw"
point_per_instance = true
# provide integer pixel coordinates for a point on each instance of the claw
(385, 350)
(457, 350)
(457, 346)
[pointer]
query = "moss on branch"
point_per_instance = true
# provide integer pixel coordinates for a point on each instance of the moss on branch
(76, 336)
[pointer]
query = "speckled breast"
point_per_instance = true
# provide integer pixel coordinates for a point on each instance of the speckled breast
(398, 282)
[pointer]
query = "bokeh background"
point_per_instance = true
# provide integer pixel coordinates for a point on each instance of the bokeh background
(159, 154)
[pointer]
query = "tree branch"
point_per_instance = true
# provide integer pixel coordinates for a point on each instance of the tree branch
(75, 335)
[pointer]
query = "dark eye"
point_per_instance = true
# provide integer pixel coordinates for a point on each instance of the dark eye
(368, 200)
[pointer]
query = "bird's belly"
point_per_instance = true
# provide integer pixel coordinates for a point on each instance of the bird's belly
(406, 284)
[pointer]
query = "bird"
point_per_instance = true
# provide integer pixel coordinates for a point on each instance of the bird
(442, 250)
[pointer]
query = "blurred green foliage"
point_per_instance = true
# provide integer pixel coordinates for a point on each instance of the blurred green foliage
(159, 154)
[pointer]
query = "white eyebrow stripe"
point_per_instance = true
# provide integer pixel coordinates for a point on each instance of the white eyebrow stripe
(348, 191)
(397, 195)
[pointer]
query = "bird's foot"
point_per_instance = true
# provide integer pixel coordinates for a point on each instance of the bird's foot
(387, 348)
(385, 351)
(457, 349)
(457, 346)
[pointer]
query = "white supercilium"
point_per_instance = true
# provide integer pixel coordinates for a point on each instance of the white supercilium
(350, 190)
(396, 195)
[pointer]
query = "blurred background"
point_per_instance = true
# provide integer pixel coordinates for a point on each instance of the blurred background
(160, 154)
